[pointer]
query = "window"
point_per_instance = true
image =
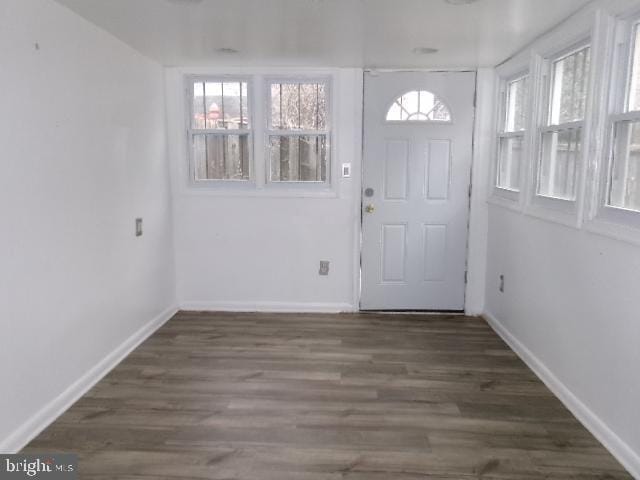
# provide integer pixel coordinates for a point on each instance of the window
(418, 106)
(298, 145)
(561, 135)
(220, 130)
(623, 182)
(511, 137)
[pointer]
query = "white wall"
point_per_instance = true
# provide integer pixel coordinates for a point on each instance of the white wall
(82, 132)
(260, 249)
(571, 298)
(571, 301)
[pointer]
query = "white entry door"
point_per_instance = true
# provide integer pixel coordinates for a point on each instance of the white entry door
(418, 130)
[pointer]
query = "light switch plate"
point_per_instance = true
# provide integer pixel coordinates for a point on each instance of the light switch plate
(346, 170)
(138, 227)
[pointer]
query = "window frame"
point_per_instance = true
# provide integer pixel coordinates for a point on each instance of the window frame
(269, 131)
(617, 220)
(560, 210)
(505, 79)
(191, 132)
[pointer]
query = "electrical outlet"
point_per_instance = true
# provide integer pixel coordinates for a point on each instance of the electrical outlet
(501, 287)
(138, 227)
(324, 267)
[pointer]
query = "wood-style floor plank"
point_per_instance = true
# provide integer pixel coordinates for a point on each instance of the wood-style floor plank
(325, 397)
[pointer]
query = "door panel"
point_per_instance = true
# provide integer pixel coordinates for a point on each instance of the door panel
(415, 222)
(396, 168)
(438, 169)
(435, 252)
(394, 238)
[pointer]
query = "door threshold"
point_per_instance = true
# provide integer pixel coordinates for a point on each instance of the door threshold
(415, 312)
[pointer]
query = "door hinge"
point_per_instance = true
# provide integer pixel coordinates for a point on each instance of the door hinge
(466, 277)
(470, 188)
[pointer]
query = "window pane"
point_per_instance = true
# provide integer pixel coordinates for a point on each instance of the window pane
(213, 101)
(220, 105)
(298, 158)
(276, 105)
(559, 163)
(321, 108)
(410, 107)
(570, 78)
(244, 99)
(395, 113)
(199, 108)
(625, 170)
(285, 104)
(517, 93)
(221, 157)
(509, 160)
(634, 88)
(290, 106)
(232, 103)
(309, 106)
(298, 106)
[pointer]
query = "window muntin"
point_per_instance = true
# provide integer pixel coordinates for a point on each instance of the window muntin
(298, 136)
(220, 130)
(511, 137)
(560, 156)
(623, 182)
(418, 106)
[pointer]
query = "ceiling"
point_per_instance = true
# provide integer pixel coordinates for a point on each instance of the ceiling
(369, 33)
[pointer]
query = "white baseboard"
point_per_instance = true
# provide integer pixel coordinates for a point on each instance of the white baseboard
(274, 307)
(598, 428)
(45, 416)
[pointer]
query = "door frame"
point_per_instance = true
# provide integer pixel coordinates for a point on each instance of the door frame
(480, 123)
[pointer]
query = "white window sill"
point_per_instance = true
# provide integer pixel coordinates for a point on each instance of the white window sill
(507, 191)
(505, 202)
(268, 191)
(608, 227)
(564, 213)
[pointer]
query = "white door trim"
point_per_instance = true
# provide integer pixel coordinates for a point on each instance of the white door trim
(478, 209)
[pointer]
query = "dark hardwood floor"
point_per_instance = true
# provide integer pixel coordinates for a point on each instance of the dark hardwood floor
(325, 397)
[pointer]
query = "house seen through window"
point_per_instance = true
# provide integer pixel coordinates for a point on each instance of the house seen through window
(220, 130)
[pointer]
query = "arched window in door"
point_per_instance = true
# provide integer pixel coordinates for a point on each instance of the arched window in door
(418, 106)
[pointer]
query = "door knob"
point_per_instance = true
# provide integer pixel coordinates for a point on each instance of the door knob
(369, 208)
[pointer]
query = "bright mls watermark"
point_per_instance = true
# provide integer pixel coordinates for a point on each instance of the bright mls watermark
(50, 466)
